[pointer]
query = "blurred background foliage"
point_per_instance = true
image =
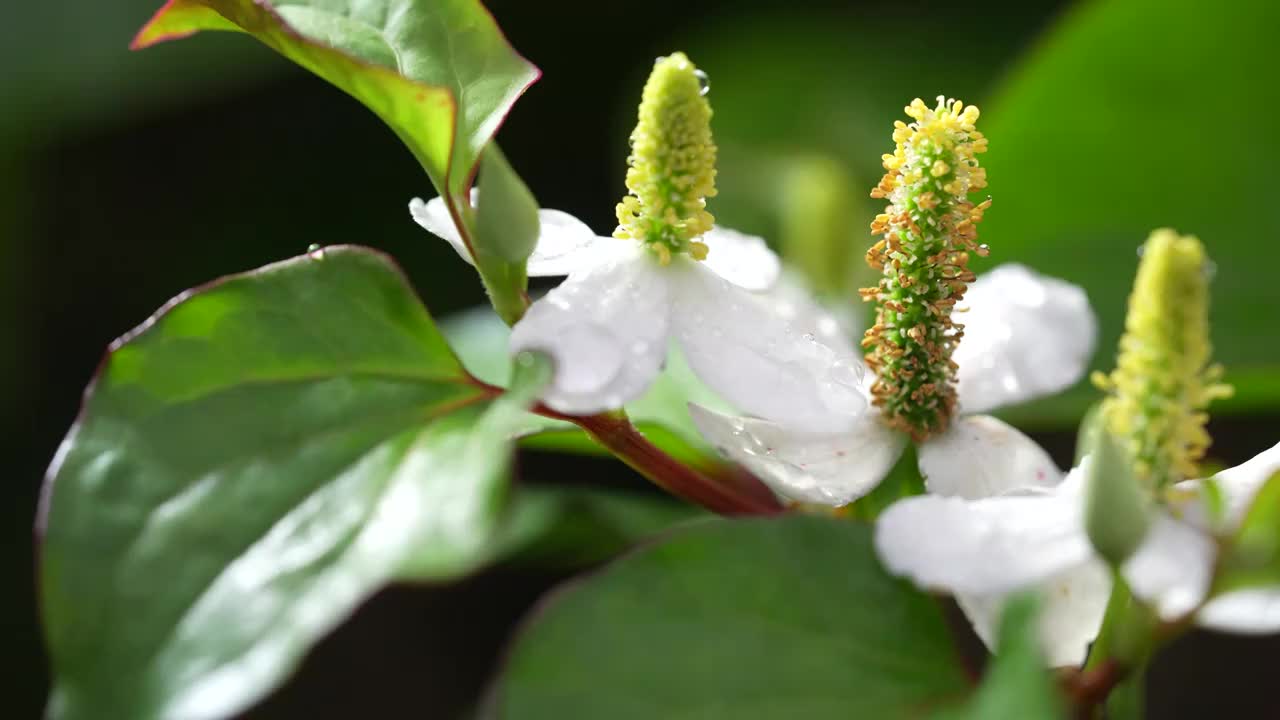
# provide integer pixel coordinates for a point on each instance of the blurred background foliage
(127, 177)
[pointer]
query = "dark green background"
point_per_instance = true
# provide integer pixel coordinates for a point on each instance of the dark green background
(127, 177)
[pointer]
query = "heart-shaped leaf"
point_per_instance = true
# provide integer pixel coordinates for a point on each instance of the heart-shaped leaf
(249, 465)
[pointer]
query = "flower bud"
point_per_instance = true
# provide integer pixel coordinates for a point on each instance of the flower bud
(1117, 506)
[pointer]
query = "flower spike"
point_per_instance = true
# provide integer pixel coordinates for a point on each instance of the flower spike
(1163, 379)
(672, 163)
(929, 230)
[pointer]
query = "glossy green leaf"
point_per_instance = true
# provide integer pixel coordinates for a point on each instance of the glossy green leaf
(1252, 558)
(1016, 685)
(439, 73)
(250, 464)
(506, 233)
(1117, 124)
(786, 618)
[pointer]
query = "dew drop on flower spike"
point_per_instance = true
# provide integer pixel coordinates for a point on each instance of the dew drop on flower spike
(672, 163)
(929, 230)
(1163, 379)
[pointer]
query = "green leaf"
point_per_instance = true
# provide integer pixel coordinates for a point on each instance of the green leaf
(1016, 685)
(506, 233)
(439, 73)
(250, 464)
(785, 618)
(1118, 508)
(1082, 168)
(507, 213)
(1252, 557)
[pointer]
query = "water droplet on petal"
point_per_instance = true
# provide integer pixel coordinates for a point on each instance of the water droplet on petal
(589, 357)
(704, 82)
(1142, 249)
(315, 251)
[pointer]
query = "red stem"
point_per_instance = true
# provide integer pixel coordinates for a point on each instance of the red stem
(738, 493)
(1089, 689)
(624, 440)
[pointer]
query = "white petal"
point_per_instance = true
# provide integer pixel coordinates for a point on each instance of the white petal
(565, 243)
(1242, 482)
(761, 363)
(744, 260)
(606, 329)
(826, 469)
(980, 456)
(434, 217)
(1173, 566)
(790, 300)
(984, 547)
(1072, 605)
(1025, 335)
(1255, 611)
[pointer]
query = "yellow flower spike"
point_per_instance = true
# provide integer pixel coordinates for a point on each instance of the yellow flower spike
(928, 234)
(672, 163)
(1163, 380)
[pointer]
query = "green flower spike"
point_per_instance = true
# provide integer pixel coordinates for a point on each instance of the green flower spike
(929, 231)
(1163, 379)
(672, 163)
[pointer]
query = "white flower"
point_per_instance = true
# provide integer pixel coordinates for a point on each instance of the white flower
(1025, 335)
(989, 547)
(609, 324)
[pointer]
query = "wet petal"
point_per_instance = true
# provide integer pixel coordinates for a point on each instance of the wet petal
(565, 243)
(1248, 612)
(1025, 335)
(606, 329)
(827, 469)
(1241, 483)
(1072, 605)
(761, 363)
(434, 217)
(1173, 566)
(744, 260)
(983, 547)
(981, 456)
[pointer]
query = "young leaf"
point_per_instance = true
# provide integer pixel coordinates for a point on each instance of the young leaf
(249, 465)
(1016, 685)
(750, 619)
(506, 233)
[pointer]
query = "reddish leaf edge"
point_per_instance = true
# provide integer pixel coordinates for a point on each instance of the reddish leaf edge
(148, 36)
